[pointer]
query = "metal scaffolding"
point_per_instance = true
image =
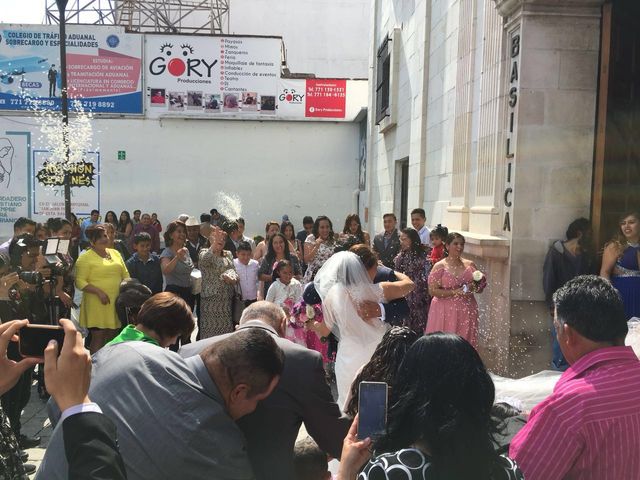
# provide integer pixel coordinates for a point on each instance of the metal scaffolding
(160, 16)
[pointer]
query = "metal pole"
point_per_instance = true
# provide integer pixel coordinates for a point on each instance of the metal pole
(64, 106)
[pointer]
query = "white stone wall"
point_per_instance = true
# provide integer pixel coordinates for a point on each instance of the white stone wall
(176, 166)
(452, 121)
(405, 140)
(329, 38)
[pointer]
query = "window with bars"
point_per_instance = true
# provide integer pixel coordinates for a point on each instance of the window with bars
(382, 81)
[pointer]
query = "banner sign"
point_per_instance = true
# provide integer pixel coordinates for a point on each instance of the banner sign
(48, 192)
(205, 75)
(312, 98)
(326, 98)
(292, 95)
(103, 68)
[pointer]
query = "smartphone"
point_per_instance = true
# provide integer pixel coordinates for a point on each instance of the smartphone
(35, 338)
(372, 409)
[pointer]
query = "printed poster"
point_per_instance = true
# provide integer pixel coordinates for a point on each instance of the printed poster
(326, 98)
(211, 76)
(103, 68)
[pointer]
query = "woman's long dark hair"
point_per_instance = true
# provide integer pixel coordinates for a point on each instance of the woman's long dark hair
(271, 255)
(442, 398)
(115, 218)
(283, 227)
(416, 244)
(316, 228)
(384, 363)
(359, 233)
(122, 226)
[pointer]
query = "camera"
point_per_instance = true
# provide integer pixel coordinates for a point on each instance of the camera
(32, 278)
(55, 251)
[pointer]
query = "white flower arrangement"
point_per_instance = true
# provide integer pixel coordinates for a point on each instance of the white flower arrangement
(310, 311)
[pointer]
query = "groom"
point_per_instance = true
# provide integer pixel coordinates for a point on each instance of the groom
(393, 312)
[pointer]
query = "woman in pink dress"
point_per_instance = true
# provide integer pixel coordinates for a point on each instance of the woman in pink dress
(452, 286)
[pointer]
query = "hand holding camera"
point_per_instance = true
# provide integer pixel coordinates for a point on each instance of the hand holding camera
(67, 368)
(6, 282)
(10, 370)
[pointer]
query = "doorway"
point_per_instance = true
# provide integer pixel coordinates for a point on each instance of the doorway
(402, 191)
(616, 180)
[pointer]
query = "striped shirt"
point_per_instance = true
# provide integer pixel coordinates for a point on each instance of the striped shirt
(589, 427)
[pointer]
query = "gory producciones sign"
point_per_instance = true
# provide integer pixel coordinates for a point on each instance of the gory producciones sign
(211, 76)
(103, 68)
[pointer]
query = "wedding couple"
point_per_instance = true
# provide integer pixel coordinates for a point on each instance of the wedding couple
(345, 283)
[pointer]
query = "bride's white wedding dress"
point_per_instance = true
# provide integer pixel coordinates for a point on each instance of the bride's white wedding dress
(342, 286)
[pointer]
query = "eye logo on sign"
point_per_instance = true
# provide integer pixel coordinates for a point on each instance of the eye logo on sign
(181, 61)
(289, 95)
(113, 41)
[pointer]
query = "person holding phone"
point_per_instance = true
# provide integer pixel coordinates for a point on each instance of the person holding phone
(437, 426)
(22, 295)
(90, 442)
(89, 436)
(11, 373)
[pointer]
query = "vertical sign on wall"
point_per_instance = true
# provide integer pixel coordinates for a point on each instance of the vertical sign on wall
(14, 179)
(513, 85)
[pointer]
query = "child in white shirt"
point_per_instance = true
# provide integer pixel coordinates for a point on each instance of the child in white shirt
(247, 270)
(285, 290)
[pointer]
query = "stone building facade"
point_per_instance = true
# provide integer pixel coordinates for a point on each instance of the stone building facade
(492, 122)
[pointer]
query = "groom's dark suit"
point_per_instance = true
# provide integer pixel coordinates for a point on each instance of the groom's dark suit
(91, 447)
(395, 311)
(302, 395)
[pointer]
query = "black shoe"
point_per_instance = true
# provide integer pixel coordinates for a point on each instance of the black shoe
(29, 442)
(24, 456)
(29, 468)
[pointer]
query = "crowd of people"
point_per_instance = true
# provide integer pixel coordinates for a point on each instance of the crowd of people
(277, 316)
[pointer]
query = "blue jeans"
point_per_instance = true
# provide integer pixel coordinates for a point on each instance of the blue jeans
(558, 361)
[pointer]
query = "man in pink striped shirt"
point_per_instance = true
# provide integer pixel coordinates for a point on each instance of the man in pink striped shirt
(589, 427)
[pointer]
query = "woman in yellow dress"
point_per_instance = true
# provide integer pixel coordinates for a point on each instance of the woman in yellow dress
(99, 272)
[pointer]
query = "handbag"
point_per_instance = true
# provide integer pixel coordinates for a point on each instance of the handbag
(196, 281)
(237, 304)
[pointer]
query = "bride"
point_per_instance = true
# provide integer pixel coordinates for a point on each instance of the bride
(344, 283)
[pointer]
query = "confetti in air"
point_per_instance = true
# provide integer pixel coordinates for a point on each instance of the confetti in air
(229, 205)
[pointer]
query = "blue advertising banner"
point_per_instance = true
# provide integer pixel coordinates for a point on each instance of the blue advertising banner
(103, 68)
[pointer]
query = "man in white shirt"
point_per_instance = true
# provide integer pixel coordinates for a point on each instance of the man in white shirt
(249, 240)
(418, 220)
(247, 269)
(22, 225)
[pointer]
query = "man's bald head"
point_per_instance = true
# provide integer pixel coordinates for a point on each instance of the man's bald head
(266, 312)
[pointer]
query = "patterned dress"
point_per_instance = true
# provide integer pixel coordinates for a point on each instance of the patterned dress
(325, 250)
(412, 464)
(216, 295)
(417, 268)
(10, 464)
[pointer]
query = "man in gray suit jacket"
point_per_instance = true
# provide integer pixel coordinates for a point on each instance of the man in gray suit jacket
(302, 395)
(176, 418)
(387, 243)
